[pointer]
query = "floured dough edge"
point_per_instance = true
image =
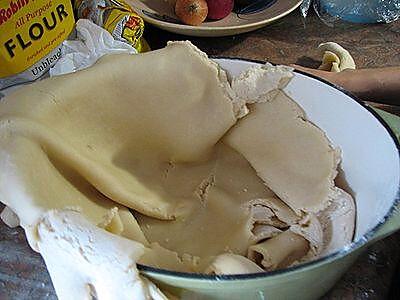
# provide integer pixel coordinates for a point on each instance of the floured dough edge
(259, 83)
(274, 79)
(80, 256)
(239, 104)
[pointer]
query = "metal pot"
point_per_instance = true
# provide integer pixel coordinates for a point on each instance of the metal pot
(370, 166)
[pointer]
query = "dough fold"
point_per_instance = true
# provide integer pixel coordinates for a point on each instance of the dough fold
(107, 132)
(294, 158)
(280, 251)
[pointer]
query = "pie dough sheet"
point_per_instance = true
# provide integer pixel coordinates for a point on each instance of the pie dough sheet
(220, 216)
(31, 184)
(117, 123)
(294, 158)
(158, 134)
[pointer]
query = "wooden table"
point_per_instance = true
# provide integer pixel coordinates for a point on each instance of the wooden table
(22, 272)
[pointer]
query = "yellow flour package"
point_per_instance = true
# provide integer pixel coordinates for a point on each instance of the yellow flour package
(31, 34)
(117, 17)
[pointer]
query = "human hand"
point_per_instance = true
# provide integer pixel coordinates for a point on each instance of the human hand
(377, 85)
(333, 77)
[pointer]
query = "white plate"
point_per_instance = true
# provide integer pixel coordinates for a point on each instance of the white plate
(232, 24)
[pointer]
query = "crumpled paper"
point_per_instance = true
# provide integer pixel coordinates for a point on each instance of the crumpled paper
(91, 43)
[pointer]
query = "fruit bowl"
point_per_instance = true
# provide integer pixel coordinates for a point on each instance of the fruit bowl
(160, 13)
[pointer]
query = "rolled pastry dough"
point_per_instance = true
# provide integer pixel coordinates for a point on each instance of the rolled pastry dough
(118, 121)
(279, 251)
(294, 157)
(219, 218)
(158, 133)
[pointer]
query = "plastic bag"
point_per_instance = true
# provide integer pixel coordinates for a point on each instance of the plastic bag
(91, 43)
(82, 50)
(117, 17)
(356, 11)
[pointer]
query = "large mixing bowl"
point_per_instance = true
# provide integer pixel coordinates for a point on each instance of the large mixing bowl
(371, 168)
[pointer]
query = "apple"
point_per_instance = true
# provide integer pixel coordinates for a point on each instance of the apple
(191, 12)
(219, 9)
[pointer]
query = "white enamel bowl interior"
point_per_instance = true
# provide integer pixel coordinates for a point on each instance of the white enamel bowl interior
(370, 159)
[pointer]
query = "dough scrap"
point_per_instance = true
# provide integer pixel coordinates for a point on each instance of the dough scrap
(228, 263)
(9, 217)
(301, 241)
(260, 83)
(280, 251)
(335, 58)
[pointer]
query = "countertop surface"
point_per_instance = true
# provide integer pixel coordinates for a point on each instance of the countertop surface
(23, 274)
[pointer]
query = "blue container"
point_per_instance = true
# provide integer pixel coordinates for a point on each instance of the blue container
(362, 11)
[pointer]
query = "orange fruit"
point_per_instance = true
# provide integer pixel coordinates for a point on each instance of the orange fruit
(191, 12)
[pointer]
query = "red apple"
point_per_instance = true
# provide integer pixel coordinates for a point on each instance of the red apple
(219, 9)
